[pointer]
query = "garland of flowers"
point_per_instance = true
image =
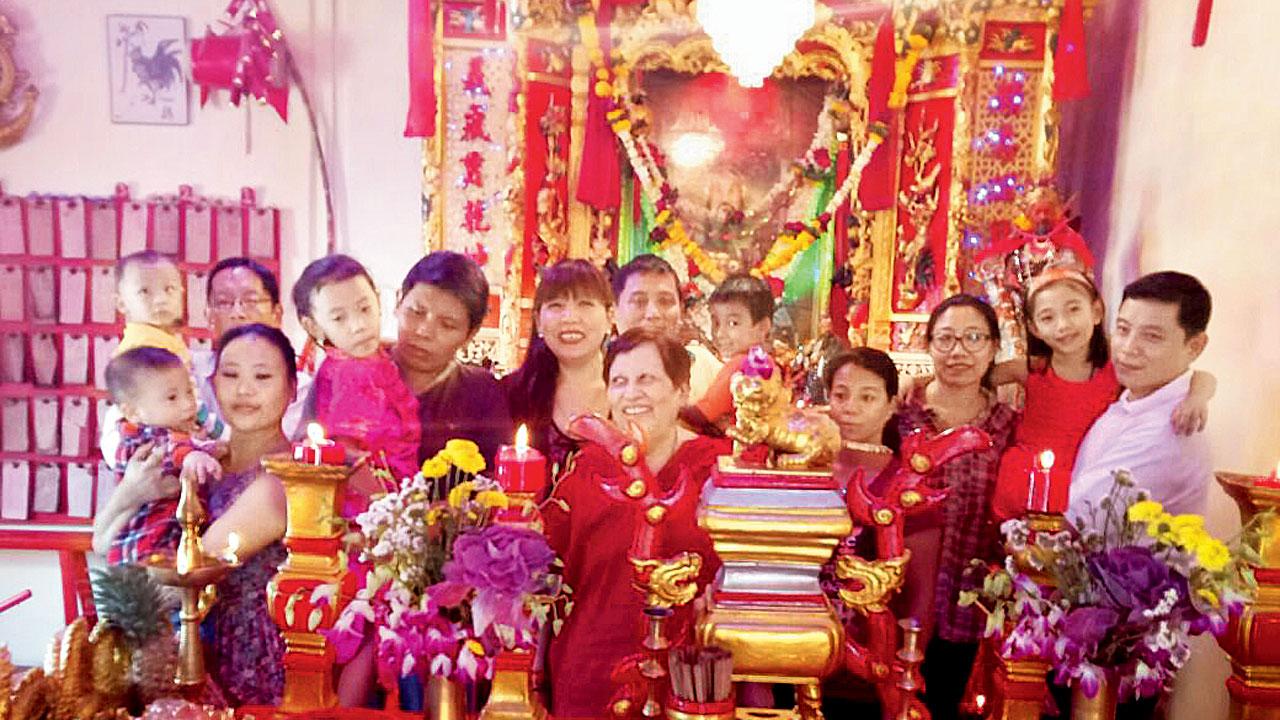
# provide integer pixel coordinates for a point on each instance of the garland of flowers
(668, 231)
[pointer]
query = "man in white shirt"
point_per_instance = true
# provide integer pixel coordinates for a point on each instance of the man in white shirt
(1159, 332)
(647, 294)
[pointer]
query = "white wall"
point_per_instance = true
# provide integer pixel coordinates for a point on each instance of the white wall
(353, 55)
(1196, 191)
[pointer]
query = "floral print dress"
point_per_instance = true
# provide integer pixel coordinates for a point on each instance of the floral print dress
(247, 650)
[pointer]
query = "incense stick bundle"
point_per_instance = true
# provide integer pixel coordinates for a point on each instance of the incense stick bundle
(701, 674)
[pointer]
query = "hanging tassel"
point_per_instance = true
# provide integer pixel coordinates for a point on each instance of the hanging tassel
(421, 120)
(1070, 66)
(599, 170)
(1201, 31)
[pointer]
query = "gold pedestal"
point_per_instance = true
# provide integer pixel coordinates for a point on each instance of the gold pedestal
(512, 696)
(313, 538)
(773, 530)
(1253, 639)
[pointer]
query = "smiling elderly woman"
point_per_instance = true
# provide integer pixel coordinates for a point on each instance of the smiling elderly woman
(647, 375)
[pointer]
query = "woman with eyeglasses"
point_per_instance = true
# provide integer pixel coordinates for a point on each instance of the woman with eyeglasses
(963, 336)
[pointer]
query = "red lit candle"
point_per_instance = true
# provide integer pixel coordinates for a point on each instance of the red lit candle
(316, 450)
(1038, 490)
(1272, 480)
(522, 469)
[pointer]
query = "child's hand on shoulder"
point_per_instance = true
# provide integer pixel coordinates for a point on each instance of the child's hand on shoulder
(909, 384)
(202, 465)
(1190, 416)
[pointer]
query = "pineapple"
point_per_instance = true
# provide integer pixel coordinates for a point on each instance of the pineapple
(75, 668)
(30, 697)
(112, 661)
(6, 681)
(128, 600)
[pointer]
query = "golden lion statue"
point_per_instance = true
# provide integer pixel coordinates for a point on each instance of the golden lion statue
(798, 439)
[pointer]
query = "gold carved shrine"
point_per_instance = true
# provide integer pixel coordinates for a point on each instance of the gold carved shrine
(978, 132)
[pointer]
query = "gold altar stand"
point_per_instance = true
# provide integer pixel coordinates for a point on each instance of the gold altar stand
(773, 530)
(1253, 639)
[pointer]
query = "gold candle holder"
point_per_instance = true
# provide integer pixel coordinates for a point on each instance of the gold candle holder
(1017, 688)
(313, 537)
(511, 696)
(1254, 684)
(194, 574)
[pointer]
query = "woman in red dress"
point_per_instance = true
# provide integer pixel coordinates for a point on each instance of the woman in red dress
(592, 521)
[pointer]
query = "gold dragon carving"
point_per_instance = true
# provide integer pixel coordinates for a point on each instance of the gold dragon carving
(12, 127)
(669, 583)
(920, 202)
(875, 580)
(553, 223)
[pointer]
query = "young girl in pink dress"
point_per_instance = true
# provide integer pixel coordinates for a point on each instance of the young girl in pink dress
(358, 395)
(1069, 383)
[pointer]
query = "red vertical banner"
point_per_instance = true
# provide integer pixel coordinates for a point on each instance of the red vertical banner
(421, 119)
(924, 185)
(1070, 68)
(838, 308)
(545, 88)
(875, 190)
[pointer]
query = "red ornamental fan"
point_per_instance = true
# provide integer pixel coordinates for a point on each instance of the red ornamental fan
(249, 58)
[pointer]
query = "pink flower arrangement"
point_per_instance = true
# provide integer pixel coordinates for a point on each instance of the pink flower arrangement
(446, 589)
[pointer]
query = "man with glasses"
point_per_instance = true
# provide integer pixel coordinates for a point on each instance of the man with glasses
(1159, 332)
(240, 291)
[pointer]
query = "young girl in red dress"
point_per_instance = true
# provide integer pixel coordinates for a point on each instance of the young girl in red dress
(1069, 383)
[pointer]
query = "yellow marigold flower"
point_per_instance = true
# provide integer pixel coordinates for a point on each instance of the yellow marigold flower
(433, 515)
(1213, 554)
(1188, 531)
(492, 499)
(460, 494)
(1145, 511)
(662, 217)
(475, 647)
(435, 467)
(622, 126)
(464, 455)
(1158, 527)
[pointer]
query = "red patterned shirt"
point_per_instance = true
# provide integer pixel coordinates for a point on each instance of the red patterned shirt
(968, 529)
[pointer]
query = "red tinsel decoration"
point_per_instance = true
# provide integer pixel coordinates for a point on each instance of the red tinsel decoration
(248, 59)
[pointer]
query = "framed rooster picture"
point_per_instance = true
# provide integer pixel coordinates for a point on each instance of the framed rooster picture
(149, 61)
